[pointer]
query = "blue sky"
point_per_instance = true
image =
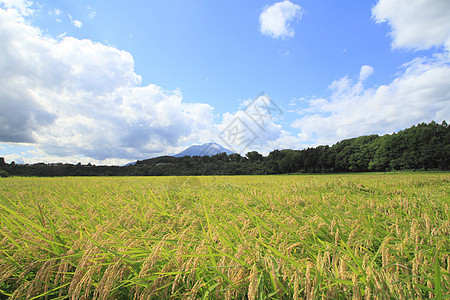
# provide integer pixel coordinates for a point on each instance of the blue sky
(111, 82)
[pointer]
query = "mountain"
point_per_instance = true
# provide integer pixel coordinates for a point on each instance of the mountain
(207, 149)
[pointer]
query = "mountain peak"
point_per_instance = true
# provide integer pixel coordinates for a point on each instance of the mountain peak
(207, 149)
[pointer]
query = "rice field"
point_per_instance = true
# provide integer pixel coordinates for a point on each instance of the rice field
(358, 236)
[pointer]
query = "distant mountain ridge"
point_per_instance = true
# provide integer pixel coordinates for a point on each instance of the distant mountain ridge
(208, 149)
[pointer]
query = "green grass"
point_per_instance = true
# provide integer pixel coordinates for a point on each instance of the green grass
(258, 237)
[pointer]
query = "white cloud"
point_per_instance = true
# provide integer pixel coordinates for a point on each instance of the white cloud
(416, 24)
(420, 94)
(16, 158)
(276, 20)
(75, 23)
(55, 12)
(22, 6)
(365, 72)
(255, 127)
(42, 157)
(91, 12)
(77, 98)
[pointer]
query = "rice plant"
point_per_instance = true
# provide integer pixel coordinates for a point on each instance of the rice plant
(364, 236)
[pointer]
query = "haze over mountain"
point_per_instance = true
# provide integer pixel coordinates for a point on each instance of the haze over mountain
(208, 149)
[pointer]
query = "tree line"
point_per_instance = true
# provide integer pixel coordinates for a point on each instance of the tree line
(421, 147)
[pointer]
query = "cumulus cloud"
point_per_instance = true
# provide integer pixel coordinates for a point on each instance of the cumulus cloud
(365, 72)
(421, 93)
(22, 6)
(75, 98)
(16, 158)
(276, 20)
(415, 24)
(254, 127)
(38, 156)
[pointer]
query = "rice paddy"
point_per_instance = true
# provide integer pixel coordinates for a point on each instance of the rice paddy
(359, 236)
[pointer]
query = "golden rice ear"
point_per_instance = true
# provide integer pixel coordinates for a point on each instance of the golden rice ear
(113, 274)
(309, 281)
(356, 290)
(42, 280)
(195, 289)
(367, 292)
(21, 292)
(253, 281)
(84, 271)
(7, 271)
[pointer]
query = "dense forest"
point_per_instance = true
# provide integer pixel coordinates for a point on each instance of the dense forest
(422, 147)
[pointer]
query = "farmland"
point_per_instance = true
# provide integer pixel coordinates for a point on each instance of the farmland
(361, 236)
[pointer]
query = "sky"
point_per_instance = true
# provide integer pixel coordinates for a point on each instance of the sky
(109, 82)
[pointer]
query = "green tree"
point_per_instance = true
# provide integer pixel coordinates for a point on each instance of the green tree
(254, 156)
(3, 173)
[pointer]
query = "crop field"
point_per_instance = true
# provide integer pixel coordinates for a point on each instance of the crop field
(360, 236)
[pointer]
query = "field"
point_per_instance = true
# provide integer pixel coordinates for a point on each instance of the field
(361, 236)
